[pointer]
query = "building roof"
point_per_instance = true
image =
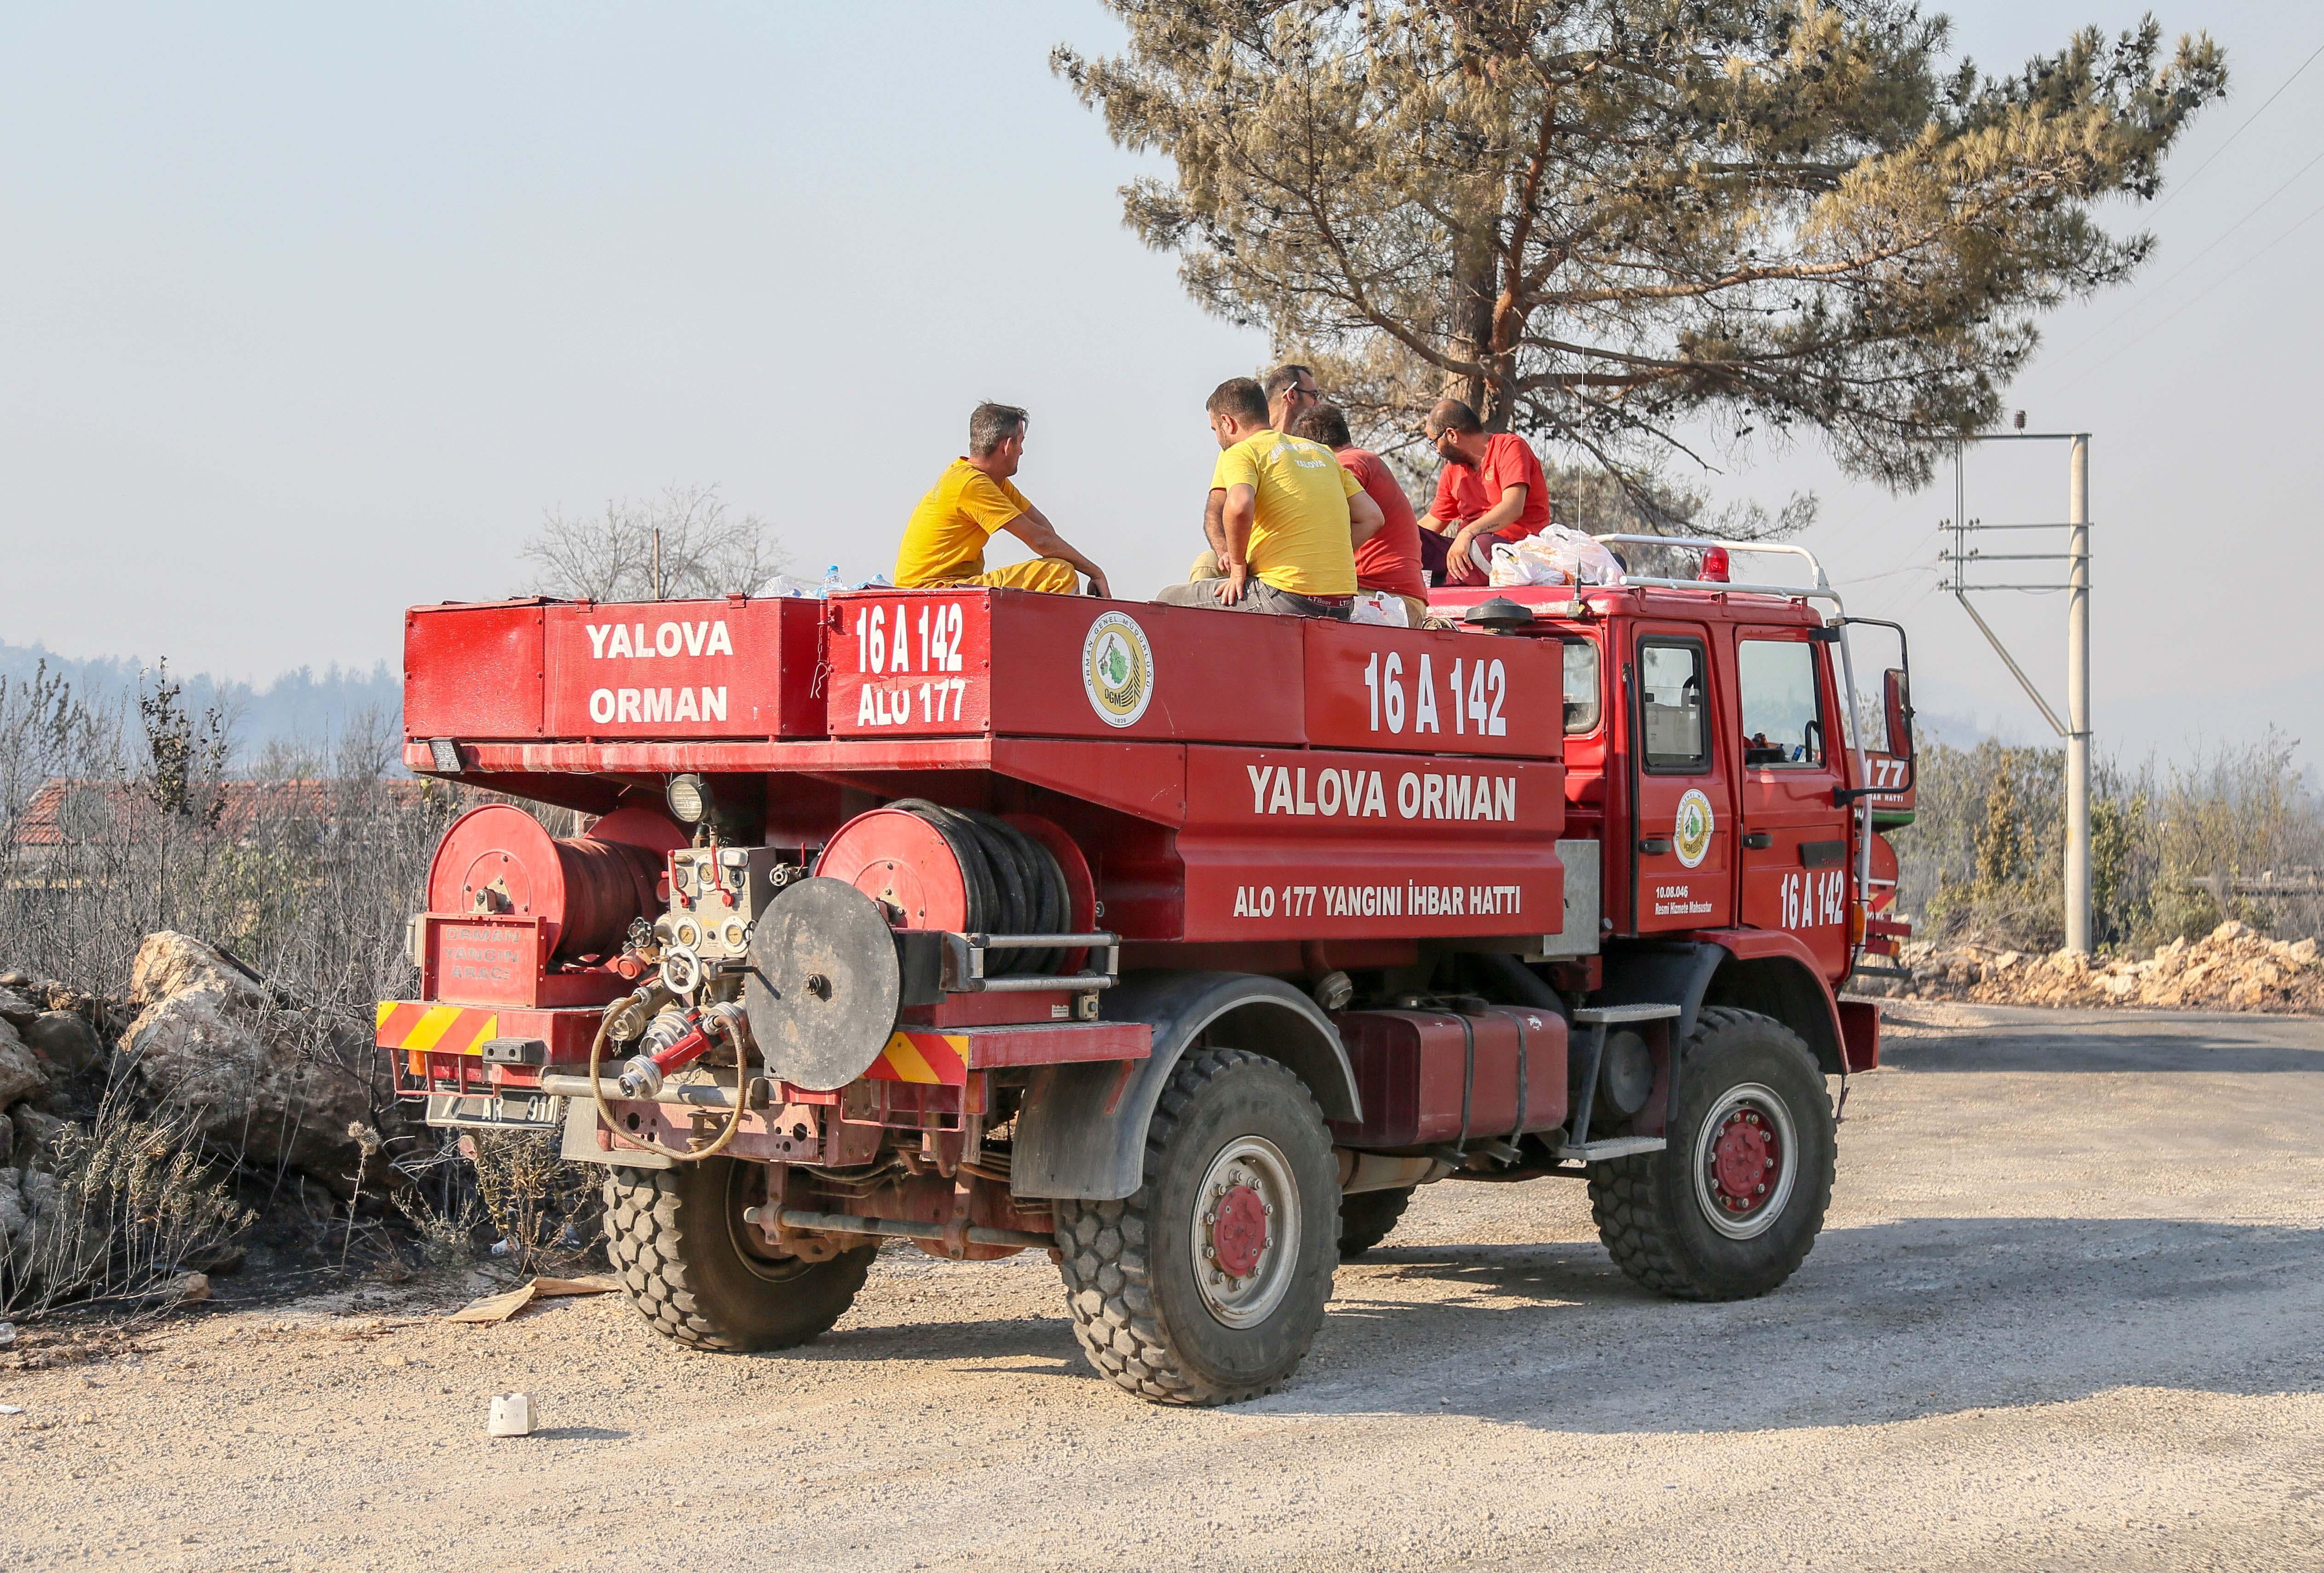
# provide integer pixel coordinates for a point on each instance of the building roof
(66, 811)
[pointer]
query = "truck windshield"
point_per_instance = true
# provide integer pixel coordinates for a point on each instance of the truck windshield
(1581, 687)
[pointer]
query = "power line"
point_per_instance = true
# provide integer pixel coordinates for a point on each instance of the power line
(2207, 163)
(2157, 324)
(2219, 240)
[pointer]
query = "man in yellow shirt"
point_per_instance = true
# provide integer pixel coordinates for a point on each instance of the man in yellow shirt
(943, 543)
(1292, 518)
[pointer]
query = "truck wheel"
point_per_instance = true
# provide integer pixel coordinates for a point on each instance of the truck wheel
(1207, 1285)
(677, 1240)
(1731, 1208)
(1365, 1218)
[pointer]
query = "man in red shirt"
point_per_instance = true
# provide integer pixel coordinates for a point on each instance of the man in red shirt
(1390, 559)
(1491, 491)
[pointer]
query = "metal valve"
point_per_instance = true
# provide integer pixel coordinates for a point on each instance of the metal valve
(675, 1041)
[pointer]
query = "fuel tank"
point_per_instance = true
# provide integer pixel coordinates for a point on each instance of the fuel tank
(1438, 1078)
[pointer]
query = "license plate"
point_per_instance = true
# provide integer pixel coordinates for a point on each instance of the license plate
(496, 1111)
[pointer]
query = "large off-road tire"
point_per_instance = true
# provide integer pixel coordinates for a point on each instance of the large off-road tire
(1365, 1218)
(1731, 1208)
(683, 1253)
(1208, 1284)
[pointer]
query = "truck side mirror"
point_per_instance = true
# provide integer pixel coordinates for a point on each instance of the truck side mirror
(1897, 709)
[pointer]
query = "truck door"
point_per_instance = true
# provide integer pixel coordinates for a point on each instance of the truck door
(1795, 836)
(1685, 872)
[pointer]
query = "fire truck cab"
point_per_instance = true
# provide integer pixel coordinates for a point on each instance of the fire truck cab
(1181, 945)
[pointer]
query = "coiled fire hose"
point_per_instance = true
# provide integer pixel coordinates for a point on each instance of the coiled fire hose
(690, 1154)
(1014, 883)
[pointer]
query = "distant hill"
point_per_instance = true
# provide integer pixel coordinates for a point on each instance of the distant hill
(301, 707)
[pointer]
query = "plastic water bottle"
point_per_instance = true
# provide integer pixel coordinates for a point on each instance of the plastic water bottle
(831, 583)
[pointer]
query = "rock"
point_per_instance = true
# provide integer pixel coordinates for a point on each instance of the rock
(17, 1008)
(2303, 951)
(2226, 933)
(21, 1075)
(271, 1082)
(511, 1416)
(68, 1044)
(188, 1287)
(13, 980)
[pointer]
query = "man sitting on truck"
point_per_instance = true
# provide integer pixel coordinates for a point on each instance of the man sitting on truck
(1491, 491)
(1390, 559)
(1291, 392)
(1291, 522)
(972, 501)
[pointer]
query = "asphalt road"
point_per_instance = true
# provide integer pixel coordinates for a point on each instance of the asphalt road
(2065, 1315)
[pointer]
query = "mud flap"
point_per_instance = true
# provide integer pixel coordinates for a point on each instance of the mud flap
(1082, 1133)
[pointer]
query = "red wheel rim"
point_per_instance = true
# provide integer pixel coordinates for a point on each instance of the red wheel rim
(1240, 1233)
(1743, 1161)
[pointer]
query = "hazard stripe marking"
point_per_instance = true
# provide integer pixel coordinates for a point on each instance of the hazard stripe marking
(927, 1059)
(444, 1029)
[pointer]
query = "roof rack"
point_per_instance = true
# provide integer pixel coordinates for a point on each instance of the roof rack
(1820, 589)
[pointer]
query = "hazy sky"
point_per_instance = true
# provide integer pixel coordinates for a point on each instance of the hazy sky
(311, 311)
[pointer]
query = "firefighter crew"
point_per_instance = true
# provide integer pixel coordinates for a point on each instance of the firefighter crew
(1390, 559)
(972, 501)
(1291, 520)
(1491, 491)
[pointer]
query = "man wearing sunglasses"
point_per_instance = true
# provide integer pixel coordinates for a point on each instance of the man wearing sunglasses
(1490, 490)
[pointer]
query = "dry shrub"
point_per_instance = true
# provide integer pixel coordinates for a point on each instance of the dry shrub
(304, 867)
(510, 1186)
(119, 1209)
(1984, 860)
(545, 1206)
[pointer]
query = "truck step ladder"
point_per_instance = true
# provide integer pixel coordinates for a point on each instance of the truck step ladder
(1598, 1018)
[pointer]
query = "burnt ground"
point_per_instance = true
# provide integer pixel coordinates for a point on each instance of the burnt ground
(2068, 1313)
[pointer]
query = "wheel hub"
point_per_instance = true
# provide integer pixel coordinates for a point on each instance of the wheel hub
(1246, 1232)
(1239, 1235)
(1741, 1160)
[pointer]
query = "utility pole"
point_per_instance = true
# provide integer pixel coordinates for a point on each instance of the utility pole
(2075, 729)
(2077, 694)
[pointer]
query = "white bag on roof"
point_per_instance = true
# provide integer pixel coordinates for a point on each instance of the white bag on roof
(1524, 563)
(1584, 561)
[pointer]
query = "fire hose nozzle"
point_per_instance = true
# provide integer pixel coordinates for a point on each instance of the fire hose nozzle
(640, 1078)
(676, 1041)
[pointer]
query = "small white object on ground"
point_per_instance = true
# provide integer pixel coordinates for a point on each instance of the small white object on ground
(7, 1334)
(512, 1416)
(12, 1408)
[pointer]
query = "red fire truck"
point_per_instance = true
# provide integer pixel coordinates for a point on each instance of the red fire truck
(1181, 944)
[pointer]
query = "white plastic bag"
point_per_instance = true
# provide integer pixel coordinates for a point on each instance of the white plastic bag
(1383, 608)
(1522, 563)
(1583, 560)
(783, 585)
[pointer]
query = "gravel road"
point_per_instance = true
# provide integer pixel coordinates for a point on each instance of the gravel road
(2065, 1315)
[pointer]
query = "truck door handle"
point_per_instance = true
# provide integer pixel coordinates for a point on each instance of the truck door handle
(1654, 846)
(1759, 841)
